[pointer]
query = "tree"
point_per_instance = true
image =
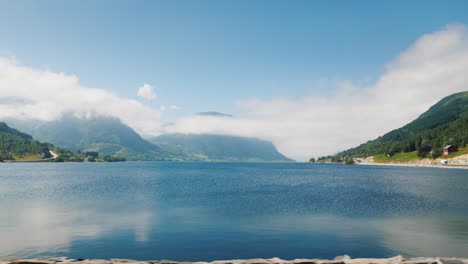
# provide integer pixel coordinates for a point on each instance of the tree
(393, 149)
(92, 154)
(47, 155)
(5, 156)
(424, 150)
(437, 152)
(60, 158)
(109, 158)
(349, 160)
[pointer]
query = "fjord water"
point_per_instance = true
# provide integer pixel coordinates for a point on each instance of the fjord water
(209, 211)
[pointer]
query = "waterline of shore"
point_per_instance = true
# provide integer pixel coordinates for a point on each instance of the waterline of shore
(338, 260)
(415, 165)
(458, 162)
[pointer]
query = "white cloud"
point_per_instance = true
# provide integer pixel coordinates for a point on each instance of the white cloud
(147, 91)
(436, 65)
(28, 93)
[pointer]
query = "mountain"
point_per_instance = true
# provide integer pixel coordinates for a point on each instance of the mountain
(106, 135)
(15, 144)
(213, 113)
(220, 147)
(109, 136)
(445, 123)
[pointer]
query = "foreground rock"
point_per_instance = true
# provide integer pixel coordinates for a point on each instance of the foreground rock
(338, 260)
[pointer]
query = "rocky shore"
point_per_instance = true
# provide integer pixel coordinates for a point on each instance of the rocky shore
(458, 162)
(464, 167)
(338, 260)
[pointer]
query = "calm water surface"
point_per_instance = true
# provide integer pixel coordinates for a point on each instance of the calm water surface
(209, 211)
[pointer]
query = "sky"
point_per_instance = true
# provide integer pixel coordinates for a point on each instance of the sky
(314, 77)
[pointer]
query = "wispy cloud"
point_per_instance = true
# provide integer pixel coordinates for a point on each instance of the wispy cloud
(436, 65)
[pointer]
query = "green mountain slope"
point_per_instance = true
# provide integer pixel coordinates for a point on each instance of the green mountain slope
(106, 135)
(445, 123)
(109, 136)
(14, 143)
(220, 147)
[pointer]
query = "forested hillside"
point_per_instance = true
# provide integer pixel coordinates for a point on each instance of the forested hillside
(106, 135)
(14, 143)
(109, 136)
(445, 123)
(220, 147)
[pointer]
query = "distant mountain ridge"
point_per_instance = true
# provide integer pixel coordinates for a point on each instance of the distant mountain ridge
(109, 136)
(214, 114)
(106, 135)
(221, 147)
(445, 123)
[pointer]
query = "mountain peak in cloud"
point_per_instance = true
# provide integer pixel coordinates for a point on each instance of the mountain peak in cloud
(433, 67)
(36, 94)
(213, 113)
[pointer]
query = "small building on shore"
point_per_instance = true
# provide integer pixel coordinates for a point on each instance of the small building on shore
(449, 149)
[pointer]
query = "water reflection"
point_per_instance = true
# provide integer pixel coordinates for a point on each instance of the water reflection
(427, 236)
(409, 236)
(199, 211)
(46, 228)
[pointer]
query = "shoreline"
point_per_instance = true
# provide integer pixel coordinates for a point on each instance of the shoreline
(457, 162)
(463, 167)
(338, 260)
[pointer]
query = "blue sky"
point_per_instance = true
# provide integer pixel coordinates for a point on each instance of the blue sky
(313, 77)
(204, 55)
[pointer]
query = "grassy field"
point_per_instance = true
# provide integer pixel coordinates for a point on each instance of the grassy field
(409, 156)
(400, 157)
(28, 157)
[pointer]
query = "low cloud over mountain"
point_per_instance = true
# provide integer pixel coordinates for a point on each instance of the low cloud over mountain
(212, 113)
(27, 93)
(435, 66)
